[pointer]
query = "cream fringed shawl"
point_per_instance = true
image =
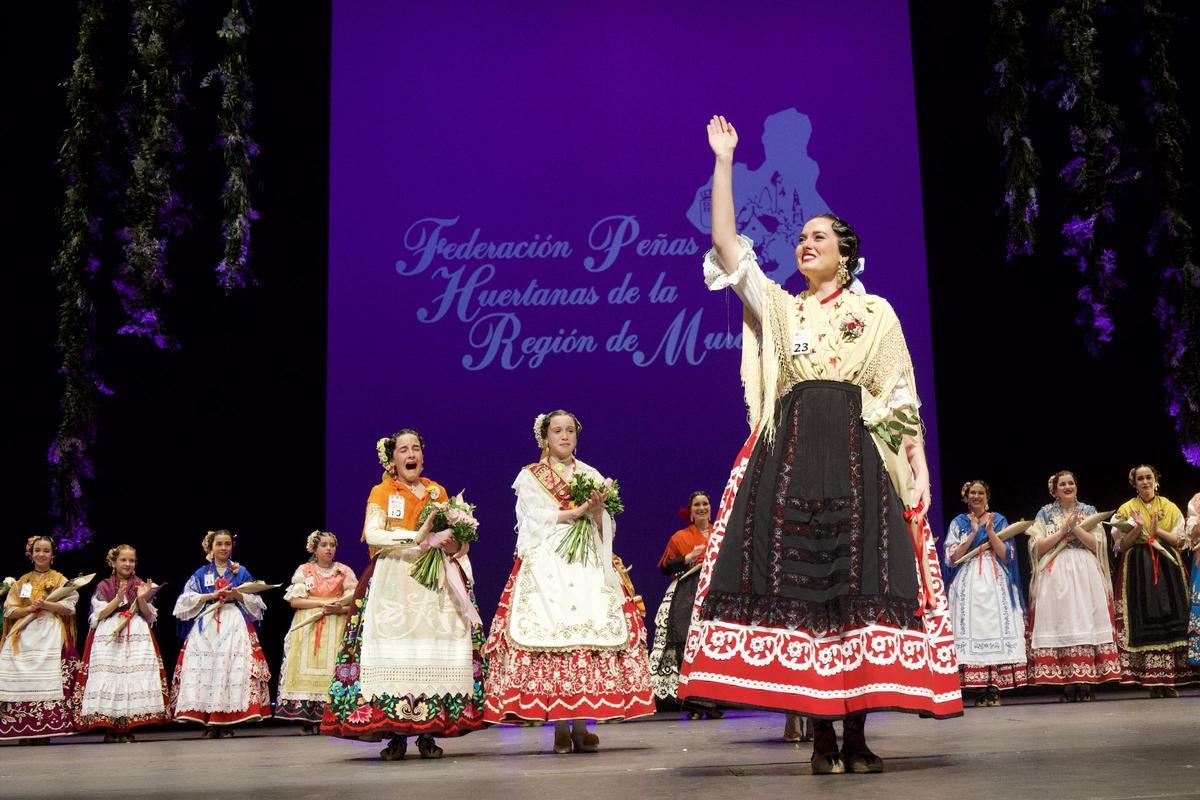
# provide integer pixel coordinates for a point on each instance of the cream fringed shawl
(856, 338)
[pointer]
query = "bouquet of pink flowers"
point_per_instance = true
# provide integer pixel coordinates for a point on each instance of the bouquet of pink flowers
(457, 515)
(580, 542)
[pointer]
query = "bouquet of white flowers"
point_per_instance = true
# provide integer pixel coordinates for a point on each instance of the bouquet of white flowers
(579, 544)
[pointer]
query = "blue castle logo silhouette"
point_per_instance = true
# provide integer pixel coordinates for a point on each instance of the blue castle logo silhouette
(773, 200)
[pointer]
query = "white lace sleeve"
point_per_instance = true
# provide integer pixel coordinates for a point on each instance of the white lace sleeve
(903, 396)
(536, 513)
(954, 538)
(298, 587)
(747, 280)
(153, 617)
(190, 602)
(70, 601)
(255, 606)
(1193, 519)
(97, 606)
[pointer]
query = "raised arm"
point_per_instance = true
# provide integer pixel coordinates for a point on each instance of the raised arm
(722, 138)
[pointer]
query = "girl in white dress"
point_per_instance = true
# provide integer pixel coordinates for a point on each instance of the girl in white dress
(124, 685)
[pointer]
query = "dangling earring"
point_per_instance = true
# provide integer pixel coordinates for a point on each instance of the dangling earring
(843, 274)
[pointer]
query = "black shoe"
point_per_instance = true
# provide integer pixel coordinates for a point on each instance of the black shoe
(863, 762)
(395, 750)
(427, 748)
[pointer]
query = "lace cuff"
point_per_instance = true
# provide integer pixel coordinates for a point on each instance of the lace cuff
(746, 280)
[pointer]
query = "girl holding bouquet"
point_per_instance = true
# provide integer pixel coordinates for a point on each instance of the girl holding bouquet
(410, 662)
(567, 644)
(309, 652)
(221, 675)
(38, 692)
(124, 684)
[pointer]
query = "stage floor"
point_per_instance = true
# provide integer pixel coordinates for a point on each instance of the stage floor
(1120, 746)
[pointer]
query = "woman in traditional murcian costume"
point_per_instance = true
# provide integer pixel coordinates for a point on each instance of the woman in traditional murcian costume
(987, 603)
(410, 661)
(684, 549)
(1073, 641)
(820, 591)
(1152, 606)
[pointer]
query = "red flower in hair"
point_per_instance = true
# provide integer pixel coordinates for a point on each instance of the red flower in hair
(685, 514)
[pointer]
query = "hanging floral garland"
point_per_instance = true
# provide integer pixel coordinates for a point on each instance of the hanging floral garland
(150, 206)
(238, 148)
(74, 267)
(153, 210)
(1009, 123)
(1097, 169)
(1094, 167)
(1170, 241)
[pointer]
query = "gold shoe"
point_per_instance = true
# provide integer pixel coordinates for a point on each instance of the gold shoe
(797, 729)
(827, 764)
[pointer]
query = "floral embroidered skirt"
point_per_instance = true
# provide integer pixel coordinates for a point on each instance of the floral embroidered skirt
(812, 596)
(351, 716)
(36, 719)
(540, 685)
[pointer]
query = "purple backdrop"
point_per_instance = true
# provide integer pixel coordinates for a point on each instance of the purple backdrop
(515, 194)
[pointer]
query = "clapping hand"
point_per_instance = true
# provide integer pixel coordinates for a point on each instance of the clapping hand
(695, 555)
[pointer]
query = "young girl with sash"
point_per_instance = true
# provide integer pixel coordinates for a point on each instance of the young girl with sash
(39, 695)
(310, 647)
(221, 675)
(410, 661)
(567, 643)
(124, 684)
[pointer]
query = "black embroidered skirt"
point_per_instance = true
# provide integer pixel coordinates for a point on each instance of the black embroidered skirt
(1156, 599)
(817, 538)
